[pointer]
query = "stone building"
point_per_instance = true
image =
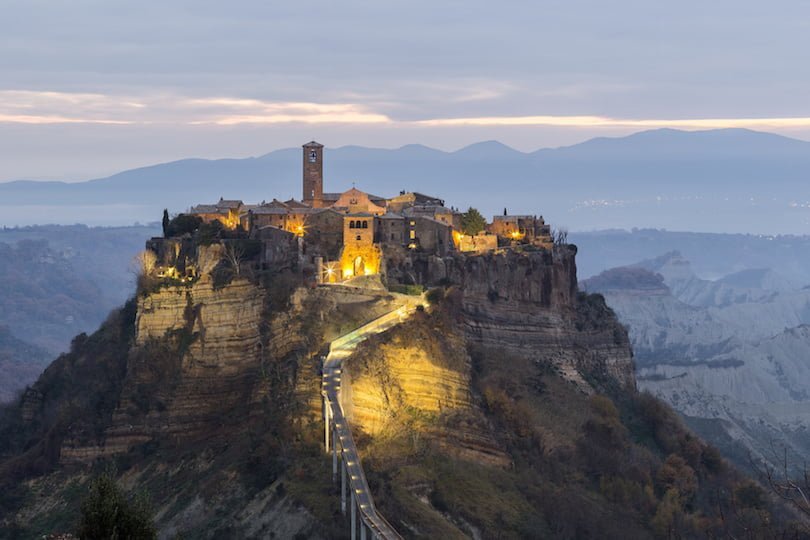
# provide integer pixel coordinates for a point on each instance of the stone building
(390, 229)
(361, 255)
(354, 200)
(336, 236)
(430, 235)
(225, 211)
(521, 228)
(408, 200)
(313, 175)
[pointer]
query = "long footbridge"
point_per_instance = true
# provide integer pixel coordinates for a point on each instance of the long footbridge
(338, 436)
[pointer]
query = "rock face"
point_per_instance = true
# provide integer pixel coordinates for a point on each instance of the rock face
(527, 304)
(213, 367)
(202, 354)
(416, 378)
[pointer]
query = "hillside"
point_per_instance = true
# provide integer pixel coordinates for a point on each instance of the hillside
(711, 256)
(663, 178)
(729, 354)
(507, 408)
(20, 364)
(57, 282)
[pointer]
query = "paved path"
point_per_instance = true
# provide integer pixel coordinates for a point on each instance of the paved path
(338, 428)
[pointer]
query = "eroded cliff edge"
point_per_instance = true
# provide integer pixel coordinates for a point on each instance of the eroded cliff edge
(208, 395)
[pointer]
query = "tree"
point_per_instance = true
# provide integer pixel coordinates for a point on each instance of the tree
(166, 222)
(793, 488)
(472, 222)
(235, 254)
(106, 513)
(144, 263)
(143, 266)
(182, 224)
(560, 237)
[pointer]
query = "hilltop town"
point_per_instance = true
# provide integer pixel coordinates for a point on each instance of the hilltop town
(336, 237)
(348, 361)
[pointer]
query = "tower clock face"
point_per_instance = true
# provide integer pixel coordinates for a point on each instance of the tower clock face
(313, 156)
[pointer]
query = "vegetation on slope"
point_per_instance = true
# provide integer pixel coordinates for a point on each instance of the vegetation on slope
(613, 465)
(20, 363)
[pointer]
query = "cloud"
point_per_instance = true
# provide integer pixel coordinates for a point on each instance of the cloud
(607, 122)
(34, 107)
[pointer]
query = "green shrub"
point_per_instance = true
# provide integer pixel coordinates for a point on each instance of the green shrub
(413, 290)
(435, 295)
(209, 233)
(182, 224)
(107, 513)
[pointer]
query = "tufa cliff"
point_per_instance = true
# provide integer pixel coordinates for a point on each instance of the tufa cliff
(507, 407)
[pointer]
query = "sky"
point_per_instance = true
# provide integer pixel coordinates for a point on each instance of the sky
(89, 88)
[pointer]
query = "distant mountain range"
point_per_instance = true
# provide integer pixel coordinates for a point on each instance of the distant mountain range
(729, 180)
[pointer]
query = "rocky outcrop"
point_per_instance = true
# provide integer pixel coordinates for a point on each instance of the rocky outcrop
(204, 354)
(198, 356)
(416, 379)
(517, 305)
(527, 304)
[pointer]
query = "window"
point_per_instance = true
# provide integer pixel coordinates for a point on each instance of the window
(365, 224)
(413, 235)
(358, 238)
(392, 236)
(351, 225)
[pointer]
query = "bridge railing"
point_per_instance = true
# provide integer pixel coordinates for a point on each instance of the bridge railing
(380, 321)
(341, 433)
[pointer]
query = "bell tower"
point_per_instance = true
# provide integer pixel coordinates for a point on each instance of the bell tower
(313, 174)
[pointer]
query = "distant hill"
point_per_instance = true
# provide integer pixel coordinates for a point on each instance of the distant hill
(730, 180)
(729, 354)
(20, 364)
(711, 255)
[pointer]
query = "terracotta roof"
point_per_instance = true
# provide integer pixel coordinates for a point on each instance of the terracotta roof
(270, 210)
(292, 203)
(311, 144)
(428, 218)
(206, 209)
(511, 217)
(336, 196)
(426, 210)
(391, 215)
(223, 203)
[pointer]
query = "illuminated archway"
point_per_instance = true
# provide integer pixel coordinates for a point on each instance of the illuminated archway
(359, 266)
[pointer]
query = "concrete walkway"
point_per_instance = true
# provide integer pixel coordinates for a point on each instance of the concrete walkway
(337, 429)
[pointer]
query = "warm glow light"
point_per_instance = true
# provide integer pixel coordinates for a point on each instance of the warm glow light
(170, 272)
(297, 227)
